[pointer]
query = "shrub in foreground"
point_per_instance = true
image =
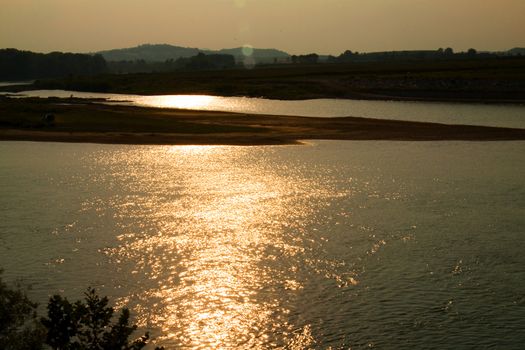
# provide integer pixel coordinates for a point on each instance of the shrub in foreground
(19, 325)
(82, 325)
(87, 325)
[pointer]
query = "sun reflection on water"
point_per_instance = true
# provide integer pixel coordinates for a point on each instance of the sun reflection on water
(182, 101)
(338, 245)
(205, 150)
(215, 231)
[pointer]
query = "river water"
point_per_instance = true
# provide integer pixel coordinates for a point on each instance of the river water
(387, 245)
(448, 113)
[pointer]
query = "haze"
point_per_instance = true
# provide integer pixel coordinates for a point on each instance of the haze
(296, 26)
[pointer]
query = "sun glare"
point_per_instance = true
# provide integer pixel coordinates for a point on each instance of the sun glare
(195, 149)
(210, 274)
(183, 101)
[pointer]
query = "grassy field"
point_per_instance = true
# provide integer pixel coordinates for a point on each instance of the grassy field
(78, 120)
(477, 80)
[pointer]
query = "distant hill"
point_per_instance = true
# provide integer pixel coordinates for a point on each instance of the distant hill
(163, 52)
(149, 53)
(517, 51)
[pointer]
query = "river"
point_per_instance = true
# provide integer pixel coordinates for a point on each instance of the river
(387, 245)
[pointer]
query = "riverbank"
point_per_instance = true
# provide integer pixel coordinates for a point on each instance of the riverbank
(80, 120)
(499, 81)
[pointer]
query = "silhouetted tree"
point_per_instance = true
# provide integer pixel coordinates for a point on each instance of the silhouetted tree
(83, 325)
(17, 65)
(19, 326)
(348, 55)
(212, 61)
(87, 325)
(310, 58)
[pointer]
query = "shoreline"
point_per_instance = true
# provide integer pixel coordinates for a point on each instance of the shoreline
(141, 138)
(420, 96)
(92, 122)
(192, 140)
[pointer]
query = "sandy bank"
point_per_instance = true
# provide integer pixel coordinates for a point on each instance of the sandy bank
(81, 121)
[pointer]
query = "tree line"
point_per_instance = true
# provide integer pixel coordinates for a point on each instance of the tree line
(410, 55)
(200, 61)
(26, 65)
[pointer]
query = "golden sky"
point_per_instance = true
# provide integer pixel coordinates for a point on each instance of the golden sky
(296, 26)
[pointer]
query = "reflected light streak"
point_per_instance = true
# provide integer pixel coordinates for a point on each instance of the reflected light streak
(204, 150)
(182, 101)
(206, 268)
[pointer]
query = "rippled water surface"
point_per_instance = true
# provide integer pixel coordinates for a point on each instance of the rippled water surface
(512, 116)
(388, 245)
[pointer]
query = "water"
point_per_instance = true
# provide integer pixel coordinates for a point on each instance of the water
(387, 245)
(12, 83)
(448, 113)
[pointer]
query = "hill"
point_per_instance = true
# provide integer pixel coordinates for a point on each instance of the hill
(149, 53)
(517, 51)
(163, 52)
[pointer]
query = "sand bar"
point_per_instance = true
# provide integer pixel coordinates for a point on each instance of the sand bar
(76, 120)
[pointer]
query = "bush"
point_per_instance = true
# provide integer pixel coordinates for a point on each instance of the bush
(87, 325)
(83, 325)
(19, 326)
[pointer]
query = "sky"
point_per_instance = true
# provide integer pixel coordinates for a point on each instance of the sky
(295, 26)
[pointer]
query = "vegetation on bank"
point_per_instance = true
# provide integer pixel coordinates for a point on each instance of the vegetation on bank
(476, 80)
(25, 65)
(87, 324)
(435, 75)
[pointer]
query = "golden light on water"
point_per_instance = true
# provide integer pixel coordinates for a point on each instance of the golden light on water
(208, 266)
(339, 245)
(182, 101)
(206, 150)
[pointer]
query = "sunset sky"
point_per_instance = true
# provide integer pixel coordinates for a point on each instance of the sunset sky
(296, 26)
